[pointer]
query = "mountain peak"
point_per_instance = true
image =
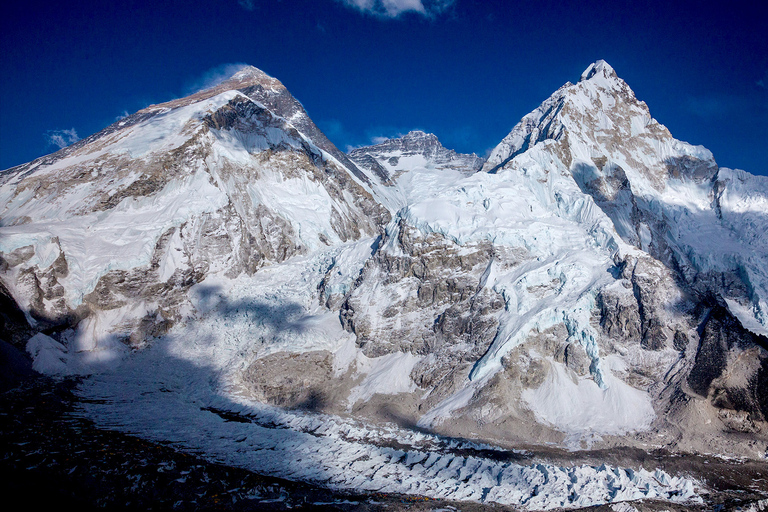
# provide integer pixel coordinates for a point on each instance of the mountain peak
(415, 149)
(248, 71)
(601, 106)
(418, 135)
(599, 68)
(248, 76)
(244, 78)
(414, 141)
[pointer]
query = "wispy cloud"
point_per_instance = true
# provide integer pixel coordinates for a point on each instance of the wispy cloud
(370, 141)
(377, 135)
(714, 106)
(334, 130)
(213, 77)
(763, 82)
(61, 138)
(248, 5)
(394, 8)
(342, 137)
(350, 139)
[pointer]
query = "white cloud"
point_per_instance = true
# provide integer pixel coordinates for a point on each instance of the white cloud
(372, 140)
(394, 8)
(61, 138)
(334, 129)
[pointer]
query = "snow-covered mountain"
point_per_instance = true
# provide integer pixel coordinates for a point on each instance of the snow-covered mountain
(595, 282)
(402, 169)
(107, 236)
(700, 228)
(414, 150)
(588, 281)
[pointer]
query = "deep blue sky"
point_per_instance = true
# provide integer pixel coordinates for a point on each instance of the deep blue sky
(466, 72)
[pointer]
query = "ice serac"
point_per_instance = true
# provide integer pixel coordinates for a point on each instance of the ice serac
(101, 240)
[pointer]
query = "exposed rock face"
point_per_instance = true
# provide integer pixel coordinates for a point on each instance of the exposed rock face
(645, 306)
(730, 365)
(425, 294)
(292, 380)
(13, 324)
(429, 276)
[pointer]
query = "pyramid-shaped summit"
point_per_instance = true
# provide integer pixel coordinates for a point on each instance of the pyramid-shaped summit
(599, 67)
(202, 185)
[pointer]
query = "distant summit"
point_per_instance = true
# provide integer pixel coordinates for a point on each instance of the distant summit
(423, 146)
